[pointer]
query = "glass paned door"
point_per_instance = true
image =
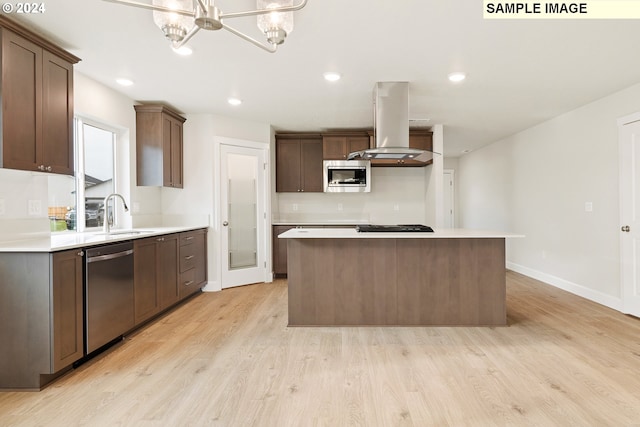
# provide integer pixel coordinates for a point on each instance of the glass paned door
(242, 202)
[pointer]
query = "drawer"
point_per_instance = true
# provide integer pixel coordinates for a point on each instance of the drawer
(188, 238)
(188, 257)
(188, 283)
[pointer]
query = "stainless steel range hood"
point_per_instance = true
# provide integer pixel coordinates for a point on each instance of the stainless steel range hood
(391, 127)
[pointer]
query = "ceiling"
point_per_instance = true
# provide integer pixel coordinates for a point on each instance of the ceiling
(519, 72)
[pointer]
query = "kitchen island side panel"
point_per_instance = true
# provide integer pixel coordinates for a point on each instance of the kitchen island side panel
(396, 282)
(338, 284)
(451, 282)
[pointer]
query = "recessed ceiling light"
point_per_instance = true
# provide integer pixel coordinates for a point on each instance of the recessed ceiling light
(466, 151)
(183, 50)
(234, 101)
(457, 77)
(124, 82)
(332, 76)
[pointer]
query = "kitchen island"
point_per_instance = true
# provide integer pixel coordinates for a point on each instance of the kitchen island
(340, 277)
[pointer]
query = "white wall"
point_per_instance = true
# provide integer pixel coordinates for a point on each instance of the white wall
(537, 182)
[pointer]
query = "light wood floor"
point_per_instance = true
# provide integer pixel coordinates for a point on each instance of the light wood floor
(228, 359)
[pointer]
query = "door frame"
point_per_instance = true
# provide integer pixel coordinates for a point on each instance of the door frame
(452, 190)
(626, 258)
(219, 141)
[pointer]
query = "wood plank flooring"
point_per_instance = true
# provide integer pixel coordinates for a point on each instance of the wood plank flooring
(229, 359)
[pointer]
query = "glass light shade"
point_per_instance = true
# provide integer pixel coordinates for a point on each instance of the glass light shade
(173, 25)
(275, 20)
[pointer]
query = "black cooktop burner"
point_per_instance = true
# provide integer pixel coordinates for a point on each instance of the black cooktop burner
(402, 228)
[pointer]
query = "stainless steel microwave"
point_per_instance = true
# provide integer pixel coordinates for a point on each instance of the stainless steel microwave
(347, 176)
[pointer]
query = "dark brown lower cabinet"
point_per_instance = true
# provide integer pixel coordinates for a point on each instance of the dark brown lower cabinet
(155, 275)
(41, 328)
(66, 290)
(279, 248)
(193, 262)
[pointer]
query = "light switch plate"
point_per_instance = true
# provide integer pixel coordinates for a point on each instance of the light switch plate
(588, 207)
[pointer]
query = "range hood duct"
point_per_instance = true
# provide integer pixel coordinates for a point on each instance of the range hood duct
(391, 125)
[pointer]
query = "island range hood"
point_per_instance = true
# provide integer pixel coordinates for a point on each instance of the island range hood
(391, 125)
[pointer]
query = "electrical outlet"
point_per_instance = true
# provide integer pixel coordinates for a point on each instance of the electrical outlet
(588, 206)
(2, 210)
(295, 206)
(396, 207)
(34, 207)
(136, 207)
(339, 206)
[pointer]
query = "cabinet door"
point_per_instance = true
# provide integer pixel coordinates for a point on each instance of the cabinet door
(334, 148)
(279, 251)
(176, 154)
(21, 102)
(145, 278)
(357, 143)
(288, 166)
(167, 263)
(311, 159)
(66, 285)
(57, 114)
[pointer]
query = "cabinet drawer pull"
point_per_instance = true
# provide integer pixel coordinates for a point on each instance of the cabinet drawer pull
(189, 257)
(188, 238)
(190, 282)
(160, 239)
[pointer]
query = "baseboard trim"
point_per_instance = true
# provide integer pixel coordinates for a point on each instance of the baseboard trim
(212, 287)
(576, 289)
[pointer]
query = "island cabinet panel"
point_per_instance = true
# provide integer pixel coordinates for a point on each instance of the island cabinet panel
(298, 163)
(404, 281)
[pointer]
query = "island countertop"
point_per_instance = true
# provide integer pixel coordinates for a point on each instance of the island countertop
(351, 233)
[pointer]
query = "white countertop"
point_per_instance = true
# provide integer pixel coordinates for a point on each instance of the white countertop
(72, 240)
(351, 233)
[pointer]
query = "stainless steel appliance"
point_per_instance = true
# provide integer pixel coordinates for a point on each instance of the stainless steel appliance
(109, 300)
(347, 176)
(391, 130)
(402, 228)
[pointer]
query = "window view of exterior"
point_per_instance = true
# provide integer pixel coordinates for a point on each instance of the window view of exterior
(93, 182)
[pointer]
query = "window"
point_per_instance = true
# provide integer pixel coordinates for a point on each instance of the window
(76, 203)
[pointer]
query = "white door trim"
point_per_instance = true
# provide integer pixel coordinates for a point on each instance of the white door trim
(628, 258)
(217, 209)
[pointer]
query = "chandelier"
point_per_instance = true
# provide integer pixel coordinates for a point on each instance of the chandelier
(180, 20)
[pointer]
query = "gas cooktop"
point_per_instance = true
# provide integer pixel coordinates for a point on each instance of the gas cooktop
(402, 228)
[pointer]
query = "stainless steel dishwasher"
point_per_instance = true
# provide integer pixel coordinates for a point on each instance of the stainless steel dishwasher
(109, 301)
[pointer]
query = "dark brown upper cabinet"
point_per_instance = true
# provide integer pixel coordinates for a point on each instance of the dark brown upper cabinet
(338, 146)
(37, 102)
(418, 138)
(159, 146)
(299, 163)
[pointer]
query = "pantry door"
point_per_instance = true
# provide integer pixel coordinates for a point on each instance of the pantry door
(242, 215)
(629, 152)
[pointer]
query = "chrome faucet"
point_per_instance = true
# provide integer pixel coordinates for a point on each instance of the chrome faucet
(107, 225)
